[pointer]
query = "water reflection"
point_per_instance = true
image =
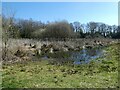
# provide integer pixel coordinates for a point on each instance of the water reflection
(78, 57)
(86, 55)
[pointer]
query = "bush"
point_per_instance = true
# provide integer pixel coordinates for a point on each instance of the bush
(38, 34)
(58, 30)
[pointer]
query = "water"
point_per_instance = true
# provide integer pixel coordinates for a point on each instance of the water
(79, 57)
(86, 55)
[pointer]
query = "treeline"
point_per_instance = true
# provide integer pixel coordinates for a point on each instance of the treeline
(20, 28)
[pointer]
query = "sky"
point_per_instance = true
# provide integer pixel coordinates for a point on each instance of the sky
(84, 12)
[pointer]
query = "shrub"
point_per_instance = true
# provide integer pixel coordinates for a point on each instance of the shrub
(60, 30)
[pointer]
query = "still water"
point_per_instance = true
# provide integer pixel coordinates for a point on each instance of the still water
(86, 55)
(78, 57)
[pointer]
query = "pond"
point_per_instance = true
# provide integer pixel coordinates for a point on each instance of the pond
(86, 55)
(78, 57)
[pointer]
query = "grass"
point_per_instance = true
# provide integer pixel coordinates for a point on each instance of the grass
(41, 74)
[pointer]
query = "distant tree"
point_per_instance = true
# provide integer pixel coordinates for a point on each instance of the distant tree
(82, 35)
(79, 29)
(103, 29)
(60, 29)
(109, 31)
(114, 27)
(92, 27)
(116, 32)
(72, 27)
(77, 26)
(83, 27)
(28, 28)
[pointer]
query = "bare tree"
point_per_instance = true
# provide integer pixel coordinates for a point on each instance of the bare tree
(77, 26)
(7, 21)
(92, 27)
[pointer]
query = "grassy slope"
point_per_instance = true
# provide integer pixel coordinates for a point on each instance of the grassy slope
(41, 74)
